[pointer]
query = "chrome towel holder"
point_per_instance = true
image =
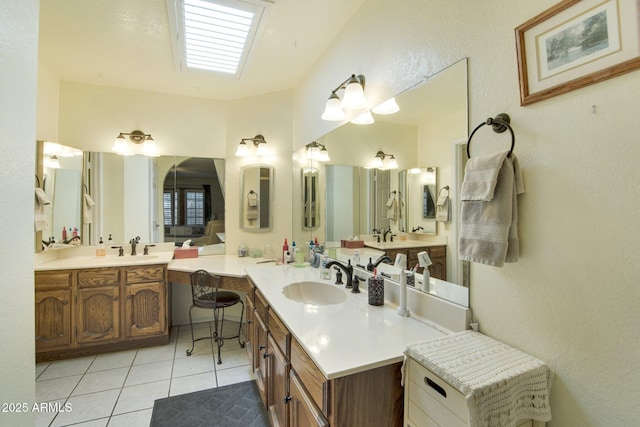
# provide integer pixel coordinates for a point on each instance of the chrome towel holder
(499, 124)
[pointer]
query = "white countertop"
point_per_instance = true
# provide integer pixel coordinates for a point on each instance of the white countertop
(223, 265)
(342, 339)
(111, 260)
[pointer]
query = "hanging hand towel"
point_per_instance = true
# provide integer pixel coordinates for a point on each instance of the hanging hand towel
(87, 209)
(488, 231)
(442, 206)
(252, 206)
(40, 219)
(391, 208)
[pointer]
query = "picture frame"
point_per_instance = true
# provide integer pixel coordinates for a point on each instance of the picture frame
(576, 43)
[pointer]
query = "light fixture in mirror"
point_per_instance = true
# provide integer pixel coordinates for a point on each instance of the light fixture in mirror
(317, 152)
(390, 106)
(364, 119)
(353, 99)
(256, 188)
(381, 161)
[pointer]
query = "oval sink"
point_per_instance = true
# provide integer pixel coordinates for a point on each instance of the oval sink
(317, 293)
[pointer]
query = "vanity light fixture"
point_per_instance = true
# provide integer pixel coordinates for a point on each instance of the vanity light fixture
(364, 119)
(353, 99)
(390, 106)
(138, 137)
(381, 161)
(259, 143)
(317, 151)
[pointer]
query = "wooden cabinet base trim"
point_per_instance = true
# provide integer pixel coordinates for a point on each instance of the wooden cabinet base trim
(94, 349)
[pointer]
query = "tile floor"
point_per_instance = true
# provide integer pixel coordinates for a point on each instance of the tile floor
(118, 389)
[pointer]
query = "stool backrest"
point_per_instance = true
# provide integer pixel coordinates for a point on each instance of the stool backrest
(204, 286)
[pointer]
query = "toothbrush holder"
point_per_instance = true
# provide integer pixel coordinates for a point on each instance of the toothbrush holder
(376, 290)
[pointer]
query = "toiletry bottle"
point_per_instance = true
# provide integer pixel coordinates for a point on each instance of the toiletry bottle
(325, 272)
(292, 251)
(110, 241)
(64, 234)
(370, 265)
(75, 231)
(285, 252)
(356, 257)
(101, 250)
(310, 253)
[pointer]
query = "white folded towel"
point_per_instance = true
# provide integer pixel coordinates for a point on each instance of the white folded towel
(442, 207)
(87, 209)
(488, 232)
(391, 208)
(39, 218)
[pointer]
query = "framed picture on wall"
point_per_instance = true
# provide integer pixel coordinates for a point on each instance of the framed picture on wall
(576, 43)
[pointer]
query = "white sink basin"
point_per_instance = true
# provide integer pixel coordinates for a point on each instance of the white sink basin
(316, 293)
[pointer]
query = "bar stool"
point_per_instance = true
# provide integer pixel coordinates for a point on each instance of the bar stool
(206, 293)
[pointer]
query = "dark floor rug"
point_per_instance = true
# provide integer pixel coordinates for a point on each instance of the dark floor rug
(235, 405)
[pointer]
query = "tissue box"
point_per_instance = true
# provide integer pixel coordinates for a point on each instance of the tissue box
(180, 253)
(352, 243)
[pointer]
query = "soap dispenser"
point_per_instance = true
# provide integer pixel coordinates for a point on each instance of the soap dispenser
(101, 250)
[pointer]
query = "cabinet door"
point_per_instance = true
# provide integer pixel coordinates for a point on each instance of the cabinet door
(53, 319)
(261, 355)
(145, 309)
(98, 314)
(278, 393)
(302, 411)
(251, 339)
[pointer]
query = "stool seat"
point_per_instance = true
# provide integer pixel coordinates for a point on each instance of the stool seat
(206, 294)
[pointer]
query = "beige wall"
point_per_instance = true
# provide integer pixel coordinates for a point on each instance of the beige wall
(572, 299)
(18, 68)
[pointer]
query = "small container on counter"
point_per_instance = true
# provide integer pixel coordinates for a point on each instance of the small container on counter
(376, 290)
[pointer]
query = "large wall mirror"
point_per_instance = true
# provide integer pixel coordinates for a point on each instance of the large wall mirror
(160, 199)
(354, 197)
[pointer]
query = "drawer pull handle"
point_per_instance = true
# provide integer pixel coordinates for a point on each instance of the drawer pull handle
(435, 386)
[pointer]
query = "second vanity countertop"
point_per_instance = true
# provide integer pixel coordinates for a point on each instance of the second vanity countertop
(92, 261)
(402, 244)
(345, 338)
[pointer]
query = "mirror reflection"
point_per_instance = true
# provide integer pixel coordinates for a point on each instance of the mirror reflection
(310, 199)
(421, 200)
(256, 188)
(432, 117)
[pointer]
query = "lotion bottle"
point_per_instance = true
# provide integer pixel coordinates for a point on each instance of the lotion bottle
(101, 250)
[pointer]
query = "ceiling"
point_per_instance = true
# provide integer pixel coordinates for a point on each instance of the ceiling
(126, 43)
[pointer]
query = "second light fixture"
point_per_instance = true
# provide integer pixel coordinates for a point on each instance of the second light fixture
(353, 99)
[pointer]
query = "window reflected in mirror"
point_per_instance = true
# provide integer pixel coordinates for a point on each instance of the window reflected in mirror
(310, 199)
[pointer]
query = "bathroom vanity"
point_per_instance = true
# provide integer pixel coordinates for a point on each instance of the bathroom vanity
(98, 309)
(321, 355)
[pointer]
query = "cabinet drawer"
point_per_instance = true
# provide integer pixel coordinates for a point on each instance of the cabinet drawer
(280, 333)
(437, 251)
(261, 306)
(436, 397)
(50, 280)
(98, 277)
(312, 378)
(147, 273)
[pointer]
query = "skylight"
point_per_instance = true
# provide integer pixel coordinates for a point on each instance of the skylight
(215, 35)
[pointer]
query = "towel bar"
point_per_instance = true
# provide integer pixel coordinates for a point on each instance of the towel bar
(499, 124)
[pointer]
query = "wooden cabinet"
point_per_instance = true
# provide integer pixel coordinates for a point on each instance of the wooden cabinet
(438, 255)
(53, 306)
(97, 310)
(145, 305)
(98, 305)
(296, 392)
(303, 411)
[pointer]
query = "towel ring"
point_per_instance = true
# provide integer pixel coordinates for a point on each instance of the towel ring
(252, 195)
(446, 187)
(499, 124)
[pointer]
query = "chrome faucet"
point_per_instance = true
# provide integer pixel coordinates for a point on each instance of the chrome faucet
(348, 269)
(134, 242)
